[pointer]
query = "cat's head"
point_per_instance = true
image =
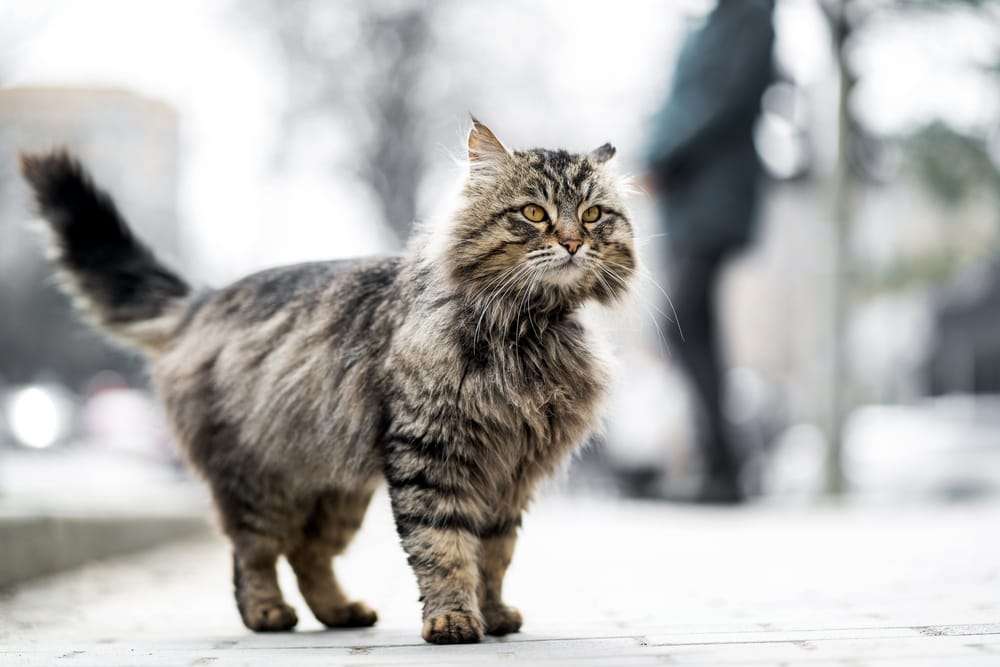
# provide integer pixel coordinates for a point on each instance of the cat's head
(546, 228)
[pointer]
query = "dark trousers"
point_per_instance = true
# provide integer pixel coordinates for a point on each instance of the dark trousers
(693, 290)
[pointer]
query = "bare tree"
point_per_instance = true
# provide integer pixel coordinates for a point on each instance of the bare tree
(362, 66)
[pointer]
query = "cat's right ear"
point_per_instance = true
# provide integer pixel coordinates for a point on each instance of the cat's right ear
(484, 147)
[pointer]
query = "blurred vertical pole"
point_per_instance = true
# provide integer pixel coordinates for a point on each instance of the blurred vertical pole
(843, 212)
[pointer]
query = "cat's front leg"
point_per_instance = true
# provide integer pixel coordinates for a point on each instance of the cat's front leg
(439, 517)
(444, 561)
(496, 551)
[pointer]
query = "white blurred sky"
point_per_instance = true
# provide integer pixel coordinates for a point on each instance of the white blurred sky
(602, 67)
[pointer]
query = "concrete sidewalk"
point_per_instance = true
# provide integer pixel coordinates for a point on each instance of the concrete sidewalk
(62, 508)
(599, 582)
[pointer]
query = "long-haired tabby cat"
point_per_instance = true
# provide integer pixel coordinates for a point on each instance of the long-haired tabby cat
(458, 372)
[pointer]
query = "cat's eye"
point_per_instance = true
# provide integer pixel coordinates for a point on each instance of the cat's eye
(534, 212)
(591, 214)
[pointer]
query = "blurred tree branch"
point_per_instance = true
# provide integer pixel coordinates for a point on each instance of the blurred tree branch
(361, 66)
(928, 147)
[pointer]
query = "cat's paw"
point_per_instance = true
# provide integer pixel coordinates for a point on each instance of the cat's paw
(452, 627)
(270, 617)
(502, 620)
(352, 615)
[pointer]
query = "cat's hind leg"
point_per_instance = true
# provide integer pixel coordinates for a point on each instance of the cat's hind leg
(332, 524)
(258, 596)
(494, 558)
(256, 517)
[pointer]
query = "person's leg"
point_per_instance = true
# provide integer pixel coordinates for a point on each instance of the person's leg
(694, 287)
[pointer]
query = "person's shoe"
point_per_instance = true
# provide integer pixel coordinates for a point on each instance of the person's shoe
(642, 482)
(721, 490)
(714, 490)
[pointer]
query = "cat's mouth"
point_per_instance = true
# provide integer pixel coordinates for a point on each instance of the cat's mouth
(565, 271)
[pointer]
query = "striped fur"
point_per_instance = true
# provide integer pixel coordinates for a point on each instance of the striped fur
(459, 373)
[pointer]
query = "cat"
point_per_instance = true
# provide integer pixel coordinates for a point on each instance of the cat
(459, 373)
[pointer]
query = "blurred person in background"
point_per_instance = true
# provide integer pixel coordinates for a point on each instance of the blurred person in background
(705, 174)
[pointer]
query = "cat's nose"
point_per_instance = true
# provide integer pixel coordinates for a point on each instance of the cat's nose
(571, 245)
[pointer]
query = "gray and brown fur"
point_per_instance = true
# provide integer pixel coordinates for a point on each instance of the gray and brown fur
(459, 373)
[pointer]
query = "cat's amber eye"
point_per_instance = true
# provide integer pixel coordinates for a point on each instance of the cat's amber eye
(534, 212)
(591, 214)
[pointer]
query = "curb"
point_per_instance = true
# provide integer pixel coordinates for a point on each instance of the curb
(38, 545)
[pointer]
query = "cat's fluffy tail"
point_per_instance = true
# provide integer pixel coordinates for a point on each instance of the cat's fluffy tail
(114, 278)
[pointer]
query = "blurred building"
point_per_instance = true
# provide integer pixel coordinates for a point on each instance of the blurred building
(130, 143)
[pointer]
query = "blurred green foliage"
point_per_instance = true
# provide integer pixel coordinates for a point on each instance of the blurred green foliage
(954, 165)
(951, 164)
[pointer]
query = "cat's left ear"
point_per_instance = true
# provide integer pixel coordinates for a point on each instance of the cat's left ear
(603, 153)
(484, 147)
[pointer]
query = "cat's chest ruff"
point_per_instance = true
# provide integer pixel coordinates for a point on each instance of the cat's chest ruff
(547, 381)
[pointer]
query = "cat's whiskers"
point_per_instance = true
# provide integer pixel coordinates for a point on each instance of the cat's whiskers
(645, 306)
(504, 279)
(531, 320)
(525, 301)
(500, 277)
(508, 305)
(513, 275)
(593, 267)
(645, 274)
(642, 241)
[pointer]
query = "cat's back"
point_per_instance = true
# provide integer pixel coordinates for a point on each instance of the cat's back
(297, 292)
(286, 290)
(282, 316)
(280, 323)
(279, 355)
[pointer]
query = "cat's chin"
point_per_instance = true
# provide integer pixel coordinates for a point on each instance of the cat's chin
(568, 274)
